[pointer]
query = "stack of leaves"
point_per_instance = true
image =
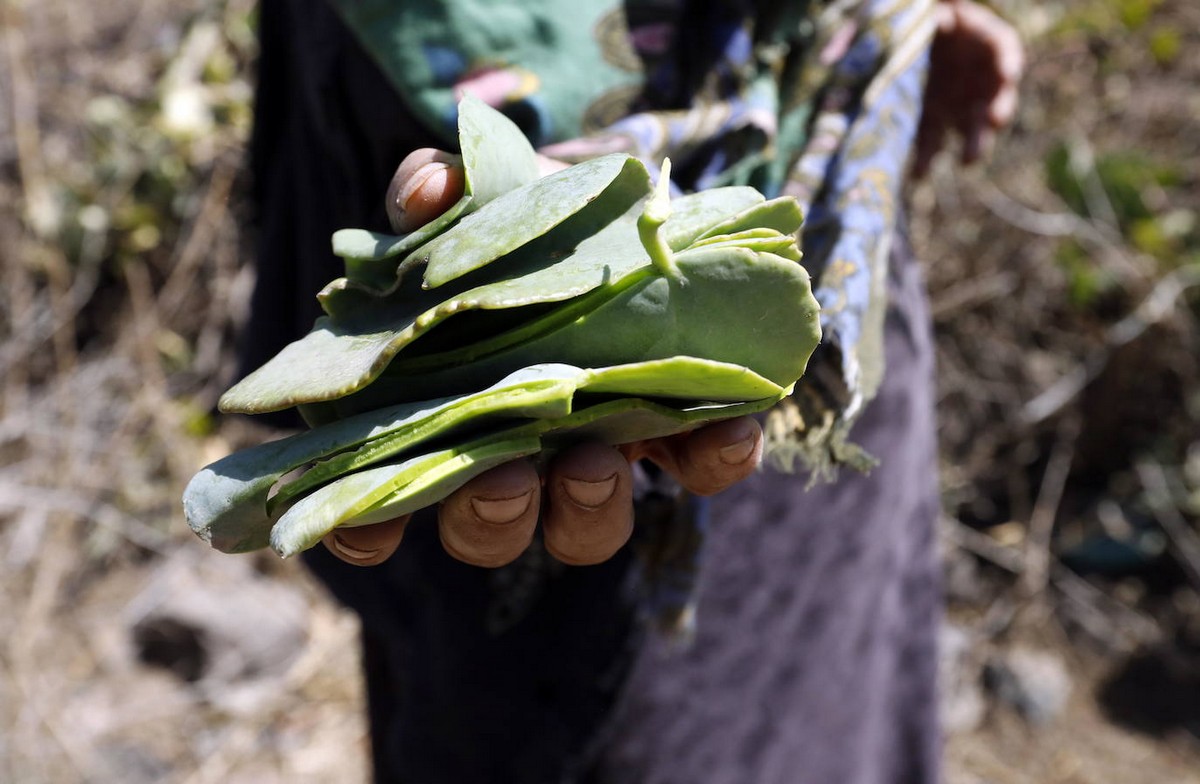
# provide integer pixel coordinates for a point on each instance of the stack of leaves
(532, 314)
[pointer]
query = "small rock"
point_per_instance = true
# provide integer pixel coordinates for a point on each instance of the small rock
(1035, 683)
(220, 626)
(960, 680)
(132, 764)
(961, 581)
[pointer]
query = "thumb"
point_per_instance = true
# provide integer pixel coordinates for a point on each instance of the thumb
(426, 184)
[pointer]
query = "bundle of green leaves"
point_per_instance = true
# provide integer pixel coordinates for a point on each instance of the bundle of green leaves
(534, 313)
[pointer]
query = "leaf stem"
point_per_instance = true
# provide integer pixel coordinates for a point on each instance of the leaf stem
(655, 214)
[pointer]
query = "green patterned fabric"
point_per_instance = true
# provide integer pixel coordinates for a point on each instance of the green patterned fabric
(545, 61)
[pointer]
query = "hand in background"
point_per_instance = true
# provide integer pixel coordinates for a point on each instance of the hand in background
(584, 500)
(974, 68)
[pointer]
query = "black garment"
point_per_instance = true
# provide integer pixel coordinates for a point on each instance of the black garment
(815, 654)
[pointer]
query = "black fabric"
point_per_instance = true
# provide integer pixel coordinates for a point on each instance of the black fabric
(814, 659)
(329, 132)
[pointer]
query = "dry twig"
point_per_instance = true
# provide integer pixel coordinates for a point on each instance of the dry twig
(1185, 543)
(1156, 307)
(1045, 510)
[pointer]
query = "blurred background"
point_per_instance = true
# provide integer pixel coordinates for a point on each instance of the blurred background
(1065, 279)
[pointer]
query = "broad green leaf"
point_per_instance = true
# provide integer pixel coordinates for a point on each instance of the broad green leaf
(363, 245)
(497, 158)
(228, 503)
(733, 305)
(366, 252)
(423, 480)
(685, 378)
(521, 216)
(758, 240)
(782, 214)
(538, 391)
(341, 356)
(633, 419)
(349, 349)
(693, 214)
(387, 492)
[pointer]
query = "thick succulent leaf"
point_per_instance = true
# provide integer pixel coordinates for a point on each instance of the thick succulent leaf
(364, 245)
(782, 214)
(370, 257)
(387, 492)
(597, 248)
(538, 323)
(521, 216)
(692, 215)
(497, 158)
(684, 378)
(341, 355)
(732, 305)
(758, 240)
(229, 504)
(366, 252)
(423, 480)
(681, 377)
(536, 392)
(633, 419)
(672, 376)
(697, 381)
(338, 358)
(327, 363)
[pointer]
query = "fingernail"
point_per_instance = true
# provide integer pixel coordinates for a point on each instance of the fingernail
(501, 510)
(590, 495)
(350, 551)
(417, 181)
(737, 453)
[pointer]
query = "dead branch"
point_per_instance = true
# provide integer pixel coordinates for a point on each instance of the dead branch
(1156, 307)
(1184, 542)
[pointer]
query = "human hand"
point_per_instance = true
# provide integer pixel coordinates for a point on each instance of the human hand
(974, 67)
(584, 498)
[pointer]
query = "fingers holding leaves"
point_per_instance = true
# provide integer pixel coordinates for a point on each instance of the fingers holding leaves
(585, 503)
(589, 492)
(709, 459)
(490, 520)
(367, 545)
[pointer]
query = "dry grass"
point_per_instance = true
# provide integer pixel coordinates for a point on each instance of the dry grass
(1068, 347)
(124, 279)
